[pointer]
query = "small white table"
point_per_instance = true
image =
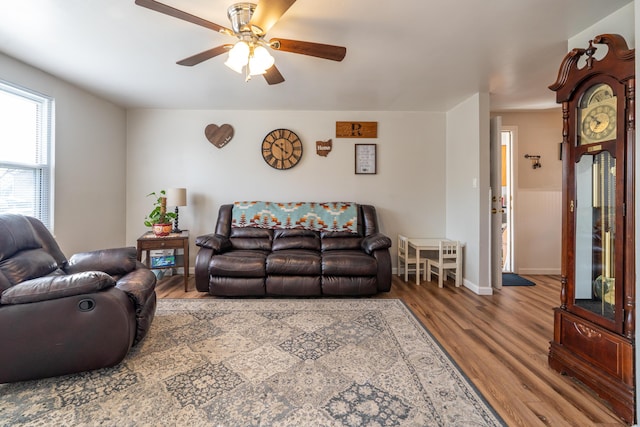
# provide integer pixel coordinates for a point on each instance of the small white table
(426, 244)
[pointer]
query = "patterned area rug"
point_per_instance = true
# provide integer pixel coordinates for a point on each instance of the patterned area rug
(268, 362)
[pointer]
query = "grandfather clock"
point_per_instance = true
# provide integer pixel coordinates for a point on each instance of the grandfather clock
(594, 327)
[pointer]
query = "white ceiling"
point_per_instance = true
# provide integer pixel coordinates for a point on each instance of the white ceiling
(401, 56)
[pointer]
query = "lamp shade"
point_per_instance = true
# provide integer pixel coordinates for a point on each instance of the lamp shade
(177, 197)
(238, 56)
(260, 61)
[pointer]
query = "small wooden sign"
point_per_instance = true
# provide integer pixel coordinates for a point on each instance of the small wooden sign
(323, 147)
(219, 135)
(356, 129)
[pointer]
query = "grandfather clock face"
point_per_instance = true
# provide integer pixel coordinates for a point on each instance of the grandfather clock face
(282, 149)
(597, 115)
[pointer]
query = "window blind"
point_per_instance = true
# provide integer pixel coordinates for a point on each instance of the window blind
(26, 119)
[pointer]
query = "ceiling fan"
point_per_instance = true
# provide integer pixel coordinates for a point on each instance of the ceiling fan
(249, 24)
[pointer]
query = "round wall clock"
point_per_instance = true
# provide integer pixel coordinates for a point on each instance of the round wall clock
(281, 149)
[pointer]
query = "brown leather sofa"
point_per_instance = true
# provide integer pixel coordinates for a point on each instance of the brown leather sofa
(60, 316)
(250, 261)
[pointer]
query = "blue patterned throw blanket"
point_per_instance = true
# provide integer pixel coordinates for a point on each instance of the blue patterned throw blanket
(328, 216)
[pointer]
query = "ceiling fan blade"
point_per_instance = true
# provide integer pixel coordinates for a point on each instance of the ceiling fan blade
(273, 76)
(267, 14)
(171, 11)
(319, 50)
(203, 56)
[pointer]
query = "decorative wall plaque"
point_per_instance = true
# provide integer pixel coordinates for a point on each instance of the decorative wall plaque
(366, 159)
(219, 136)
(323, 148)
(356, 129)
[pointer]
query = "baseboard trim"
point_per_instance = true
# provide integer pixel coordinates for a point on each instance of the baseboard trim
(480, 290)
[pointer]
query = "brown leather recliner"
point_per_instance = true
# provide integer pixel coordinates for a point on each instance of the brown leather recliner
(60, 316)
(248, 261)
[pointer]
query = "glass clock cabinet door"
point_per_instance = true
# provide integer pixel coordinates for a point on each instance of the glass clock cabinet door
(595, 226)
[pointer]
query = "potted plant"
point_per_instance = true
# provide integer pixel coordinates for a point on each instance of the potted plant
(159, 219)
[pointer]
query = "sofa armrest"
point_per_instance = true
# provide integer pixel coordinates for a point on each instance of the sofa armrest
(375, 242)
(139, 285)
(115, 262)
(53, 287)
(217, 242)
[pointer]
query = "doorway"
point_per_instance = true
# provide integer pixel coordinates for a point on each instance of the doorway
(508, 144)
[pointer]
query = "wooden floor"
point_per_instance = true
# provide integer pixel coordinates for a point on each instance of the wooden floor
(499, 341)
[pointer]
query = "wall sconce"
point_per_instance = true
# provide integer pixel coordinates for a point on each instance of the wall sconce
(535, 160)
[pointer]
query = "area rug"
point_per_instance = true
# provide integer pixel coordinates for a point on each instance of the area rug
(511, 279)
(268, 362)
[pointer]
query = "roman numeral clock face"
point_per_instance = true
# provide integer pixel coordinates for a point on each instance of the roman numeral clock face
(281, 149)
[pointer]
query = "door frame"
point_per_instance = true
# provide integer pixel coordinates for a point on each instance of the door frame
(495, 215)
(512, 207)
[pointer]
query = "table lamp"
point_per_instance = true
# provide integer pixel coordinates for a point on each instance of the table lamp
(176, 197)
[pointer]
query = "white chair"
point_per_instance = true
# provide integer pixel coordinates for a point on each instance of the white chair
(449, 258)
(407, 256)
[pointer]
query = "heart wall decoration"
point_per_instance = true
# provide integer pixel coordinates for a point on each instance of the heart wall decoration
(219, 135)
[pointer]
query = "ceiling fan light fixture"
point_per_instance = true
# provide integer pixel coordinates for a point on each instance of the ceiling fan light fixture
(256, 58)
(240, 52)
(238, 56)
(260, 61)
(234, 66)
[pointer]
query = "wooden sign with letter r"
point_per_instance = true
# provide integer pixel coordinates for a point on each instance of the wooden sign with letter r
(356, 129)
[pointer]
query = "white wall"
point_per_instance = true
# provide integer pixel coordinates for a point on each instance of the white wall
(89, 190)
(621, 22)
(167, 148)
(468, 188)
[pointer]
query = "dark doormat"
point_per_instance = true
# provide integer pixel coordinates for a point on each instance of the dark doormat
(511, 279)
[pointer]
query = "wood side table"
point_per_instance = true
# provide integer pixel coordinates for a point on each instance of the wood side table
(149, 241)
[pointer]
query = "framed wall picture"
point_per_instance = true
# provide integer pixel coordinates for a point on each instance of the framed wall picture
(366, 159)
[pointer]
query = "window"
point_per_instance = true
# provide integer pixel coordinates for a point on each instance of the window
(26, 119)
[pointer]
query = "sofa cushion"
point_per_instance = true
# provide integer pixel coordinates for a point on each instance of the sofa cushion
(116, 261)
(295, 239)
(17, 235)
(294, 262)
(26, 265)
(299, 286)
(349, 285)
(239, 263)
(251, 239)
(4, 282)
(348, 263)
(335, 241)
(237, 286)
(52, 287)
